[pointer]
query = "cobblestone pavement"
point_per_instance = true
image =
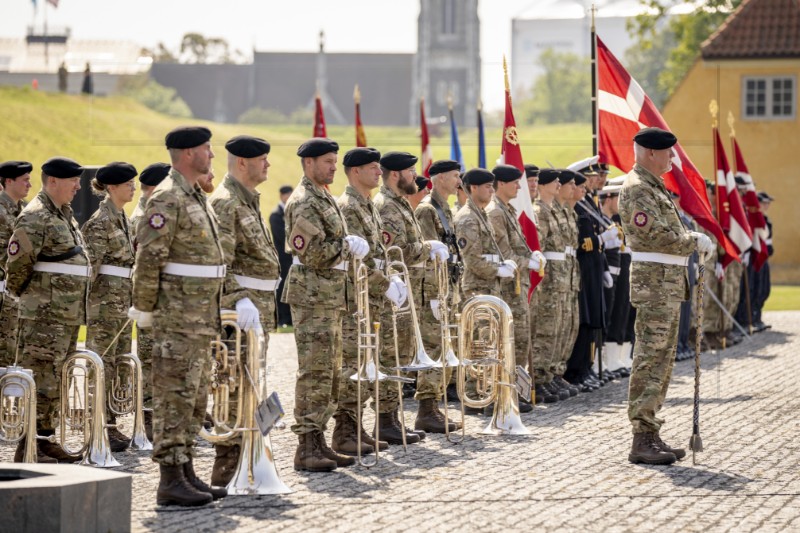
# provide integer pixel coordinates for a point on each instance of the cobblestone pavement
(572, 473)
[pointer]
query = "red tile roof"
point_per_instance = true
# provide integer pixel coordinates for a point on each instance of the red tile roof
(757, 29)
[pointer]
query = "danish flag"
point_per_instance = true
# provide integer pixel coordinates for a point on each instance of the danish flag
(754, 215)
(624, 109)
(427, 153)
(730, 212)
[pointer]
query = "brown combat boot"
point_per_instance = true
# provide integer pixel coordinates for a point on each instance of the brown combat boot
(174, 489)
(118, 442)
(344, 437)
(339, 459)
(391, 431)
(54, 450)
(309, 455)
(199, 484)
(148, 424)
(367, 439)
(679, 453)
(19, 454)
(225, 463)
(430, 419)
(645, 450)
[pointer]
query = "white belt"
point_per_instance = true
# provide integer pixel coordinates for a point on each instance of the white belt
(614, 270)
(340, 266)
(84, 271)
(569, 250)
(3, 286)
(492, 258)
(653, 257)
(555, 256)
(379, 264)
(120, 272)
(195, 271)
(769, 242)
(421, 264)
(257, 284)
(627, 250)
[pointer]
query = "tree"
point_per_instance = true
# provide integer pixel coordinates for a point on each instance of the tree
(156, 97)
(561, 94)
(647, 63)
(259, 115)
(160, 54)
(197, 48)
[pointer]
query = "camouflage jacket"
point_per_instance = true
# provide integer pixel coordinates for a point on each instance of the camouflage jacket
(433, 229)
(136, 216)
(108, 242)
(557, 273)
(315, 232)
(9, 211)
(476, 239)
(362, 219)
(652, 224)
(401, 228)
(247, 245)
(568, 222)
(511, 242)
(178, 227)
(43, 232)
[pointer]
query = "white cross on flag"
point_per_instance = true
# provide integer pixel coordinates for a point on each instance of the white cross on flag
(624, 109)
(730, 212)
(754, 215)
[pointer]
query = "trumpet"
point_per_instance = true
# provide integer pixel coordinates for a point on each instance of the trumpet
(126, 397)
(497, 378)
(244, 374)
(18, 409)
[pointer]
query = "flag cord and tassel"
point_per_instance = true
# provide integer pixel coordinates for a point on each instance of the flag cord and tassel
(695, 442)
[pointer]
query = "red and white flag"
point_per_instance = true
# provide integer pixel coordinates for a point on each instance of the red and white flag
(427, 153)
(730, 212)
(511, 154)
(758, 224)
(624, 109)
(319, 118)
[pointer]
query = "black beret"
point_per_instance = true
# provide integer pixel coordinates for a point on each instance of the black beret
(13, 169)
(580, 179)
(444, 165)
(478, 176)
(564, 175)
(247, 146)
(398, 160)
(115, 173)
(422, 183)
(285, 189)
(531, 171)
(317, 146)
(655, 139)
(506, 173)
(187, 137)
(361, 156)
(154, 174)
(548, 175)
(62, 167)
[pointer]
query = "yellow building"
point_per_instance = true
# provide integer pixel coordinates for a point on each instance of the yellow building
(751, 66)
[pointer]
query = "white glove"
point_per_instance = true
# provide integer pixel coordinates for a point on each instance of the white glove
(439, 249)
(610, 233)
(746, 259)
(357, 246)
(397, 292)
(719, 271)
(435, 309)
(506, 270)
(608, 281)
(704, 244)
(612, 243)
(248, 316)
(143, 319)
(537, 261)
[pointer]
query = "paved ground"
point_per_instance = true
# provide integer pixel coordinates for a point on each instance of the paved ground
(571, 473)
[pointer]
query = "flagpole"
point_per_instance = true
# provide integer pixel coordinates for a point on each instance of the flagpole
(746, 274)
(713, 108)
(594, 83)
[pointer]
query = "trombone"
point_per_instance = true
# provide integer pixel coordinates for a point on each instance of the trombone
(242, 373)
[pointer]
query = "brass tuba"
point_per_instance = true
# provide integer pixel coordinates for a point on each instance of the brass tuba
(492, 358)
(18, 410)
(126, 397)
(240, 367)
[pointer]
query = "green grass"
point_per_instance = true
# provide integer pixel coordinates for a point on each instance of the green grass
(783, 298)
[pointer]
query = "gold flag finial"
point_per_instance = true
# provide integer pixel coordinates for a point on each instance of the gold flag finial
(731, 121)
(505, 71)
(357, 95)
(713, 108)
(480, 105)
(449, 100)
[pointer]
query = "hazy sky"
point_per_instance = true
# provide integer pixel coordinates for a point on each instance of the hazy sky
(285, 25)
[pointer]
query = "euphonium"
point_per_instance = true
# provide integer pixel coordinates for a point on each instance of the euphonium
(246, 375)
(127, 397)
(494, 344)
(18, 410)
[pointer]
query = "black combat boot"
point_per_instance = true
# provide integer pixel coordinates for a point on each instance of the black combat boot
(679, 453)
(391, 431)
(430, 419)
(524, 405)
(225, 462)
(55, 450)
(345, 438)
(561, 394)
(645, 450)
(148, 424)
(199, 484)
(117, 441)
(544, 395)
(559, 382)
(339, 459)
(174, 489)
(309, 455)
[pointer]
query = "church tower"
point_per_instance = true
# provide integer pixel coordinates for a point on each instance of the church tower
(448, 60)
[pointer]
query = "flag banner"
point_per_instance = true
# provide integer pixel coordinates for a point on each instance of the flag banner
(758, 224)
(481, 140)
(427, 153)
(455, 146)
(730, 212)
(361, 136)
(624, 109)
(319, 118)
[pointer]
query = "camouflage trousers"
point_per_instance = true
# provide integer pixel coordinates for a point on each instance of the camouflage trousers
(100, 334)
(656, 330)
(43, 347)
(519, 310)
(181, 375)
(348, 388)
(712, 314)
(429, 382)
(549, 314)
(8, 331)
(318, 336)
(145, 344)
(568, 334)
(731, 293)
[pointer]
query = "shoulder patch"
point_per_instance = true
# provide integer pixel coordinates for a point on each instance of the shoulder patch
(640, 218)
(387, 237)
(299, 242)
(13, 248)
(157, 221)
(462, 242)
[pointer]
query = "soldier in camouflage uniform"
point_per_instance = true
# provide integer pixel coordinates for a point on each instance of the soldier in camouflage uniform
(48, 270)
(177, 286)
(253, 269)
(15, 177)
(110, 246)
(363, 174)
(436, 222)
(150, 177)
(401, 229)
(317, 237)
(513, 245)
(659, 283)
